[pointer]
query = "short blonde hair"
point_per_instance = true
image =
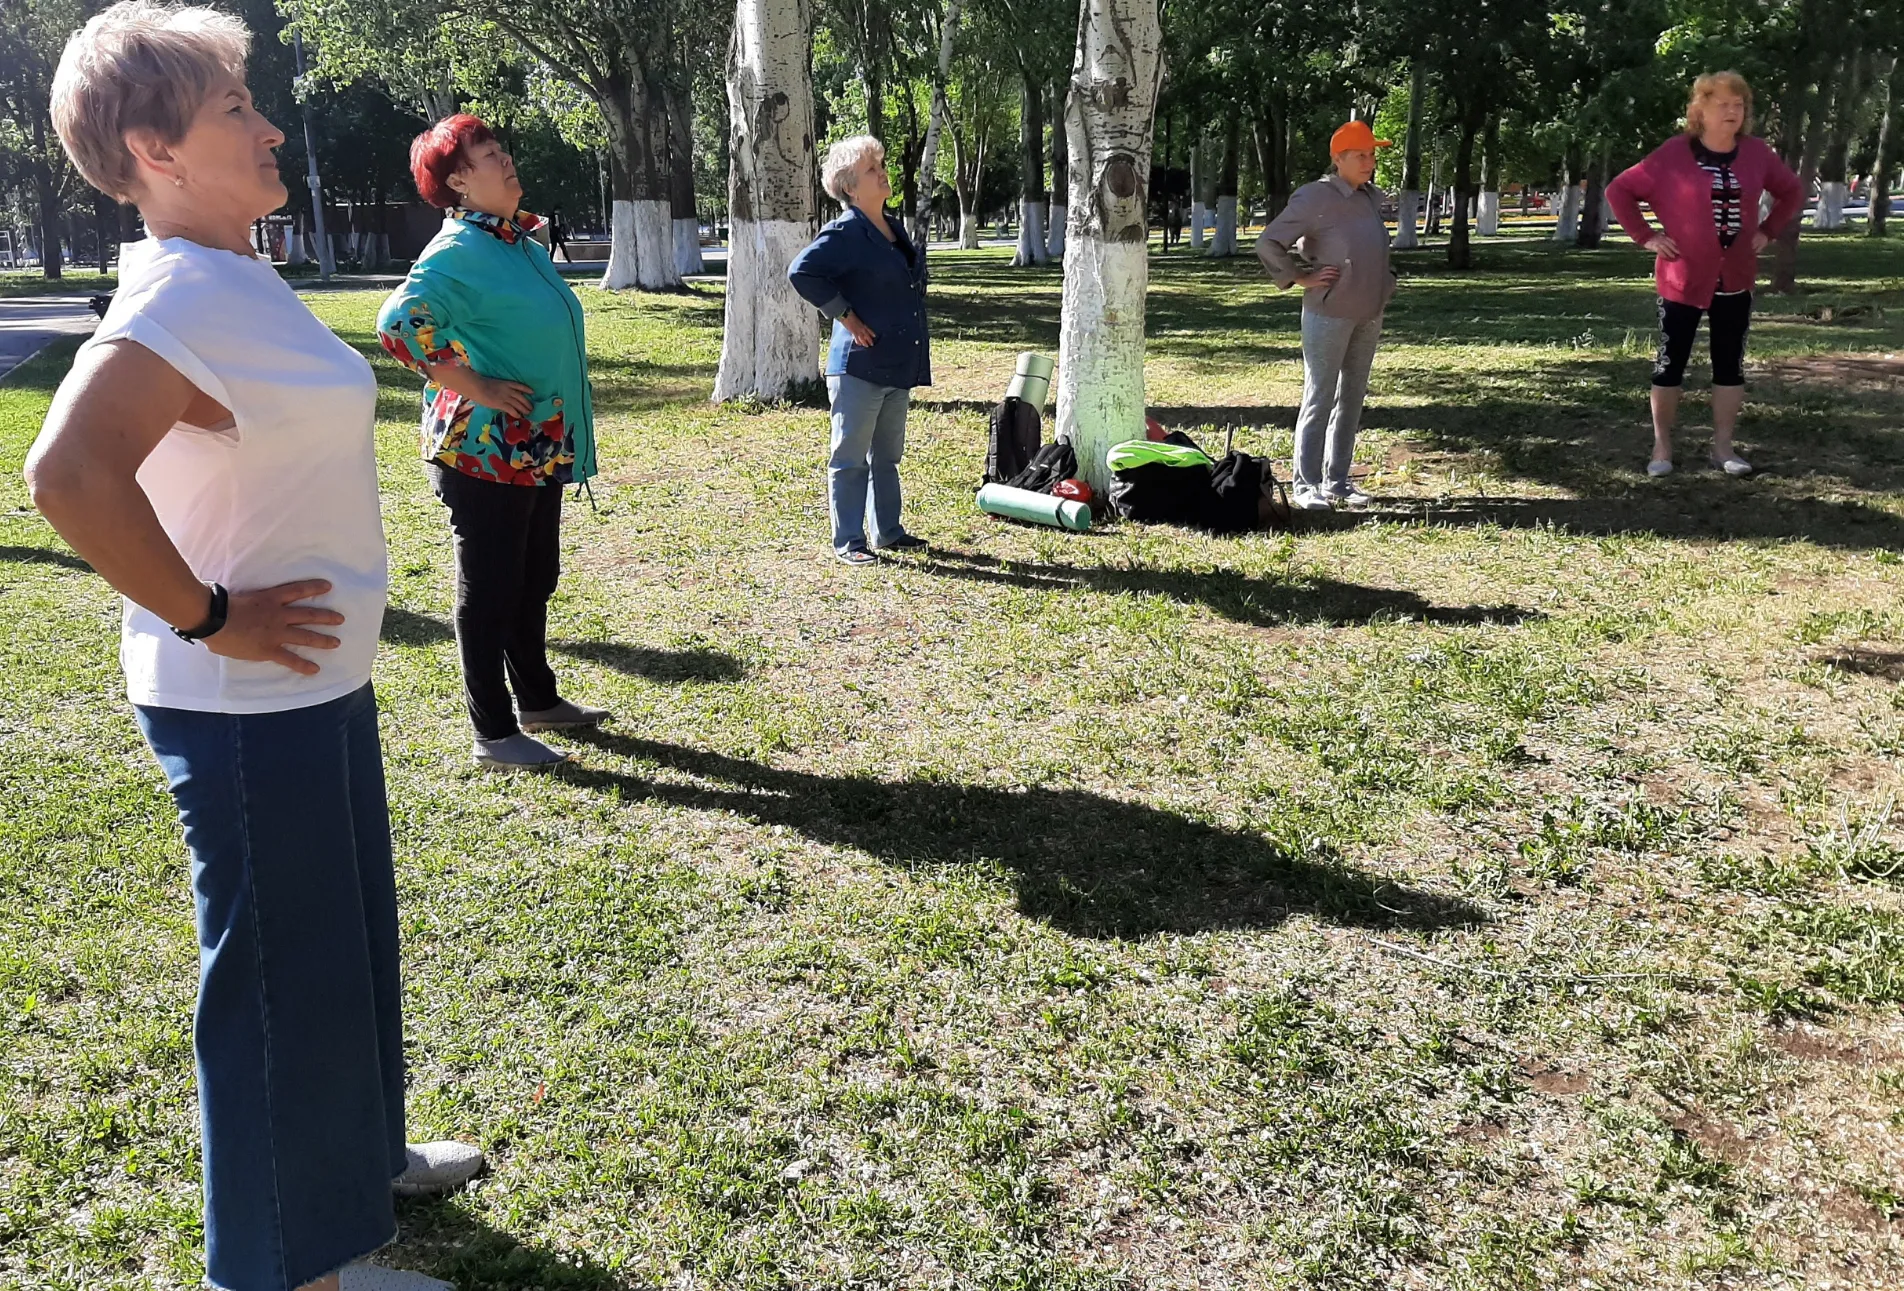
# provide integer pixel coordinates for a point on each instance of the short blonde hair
(1710, 86)
(842, 159)
(140, 65)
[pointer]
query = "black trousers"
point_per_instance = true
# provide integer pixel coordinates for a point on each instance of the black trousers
(508, 557)
(1727, 321)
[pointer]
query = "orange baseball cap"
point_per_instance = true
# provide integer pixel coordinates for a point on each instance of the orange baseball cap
(1356, 137)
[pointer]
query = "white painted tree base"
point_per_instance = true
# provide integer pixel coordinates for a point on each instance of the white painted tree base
(1101, 351)
(968, 231)
(1054, 236)
(1223, 242)
(1568, 209)
(1199, 218)
(1830, 211)
(1031, 234)
(770, 344)
(619, 274)
(687, 246)
(1408, 221)
(1488, 223)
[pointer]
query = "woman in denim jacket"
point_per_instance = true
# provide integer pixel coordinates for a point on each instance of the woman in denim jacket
(864, 273)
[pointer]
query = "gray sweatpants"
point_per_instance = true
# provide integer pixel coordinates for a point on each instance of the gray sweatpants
(1336, 356)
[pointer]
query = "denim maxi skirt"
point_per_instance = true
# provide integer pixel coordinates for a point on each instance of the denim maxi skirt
(299, 1028)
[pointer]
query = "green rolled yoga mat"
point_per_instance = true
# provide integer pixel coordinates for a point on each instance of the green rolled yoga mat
(1039, 508)
(1032, 380)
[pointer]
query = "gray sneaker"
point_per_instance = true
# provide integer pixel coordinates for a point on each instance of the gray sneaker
(375, 1277)
(1311, 500)
(437, 1168)
(565, 716)
(1348, 495)
(515, 752)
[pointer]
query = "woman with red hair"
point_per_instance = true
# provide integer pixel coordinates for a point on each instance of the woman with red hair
(508, 419)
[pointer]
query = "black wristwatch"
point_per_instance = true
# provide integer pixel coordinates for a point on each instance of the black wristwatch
(214, 617)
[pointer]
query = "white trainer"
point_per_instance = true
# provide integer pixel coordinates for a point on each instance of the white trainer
(1311, 500)
(1733, 465)
(1349, 496)
(433, 1169)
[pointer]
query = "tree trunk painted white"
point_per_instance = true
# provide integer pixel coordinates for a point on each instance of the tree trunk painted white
(1223, 241)
(1489, 222)
(1108, 118)
(1830, 212)
(968, 230)
(1031, 234)
(1408, 221)
(1568, 227)
(621, 273)
(935, 127)
(769, 346)
(655, 267)
(687, 246)
(1199, 212)
(294, 253)
(1054, 236)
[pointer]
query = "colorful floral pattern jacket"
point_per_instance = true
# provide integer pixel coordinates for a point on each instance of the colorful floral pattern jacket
(484, 295)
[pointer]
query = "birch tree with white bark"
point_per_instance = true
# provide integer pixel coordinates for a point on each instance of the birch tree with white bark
(1109, 117)
(935, 124)
(770, 339)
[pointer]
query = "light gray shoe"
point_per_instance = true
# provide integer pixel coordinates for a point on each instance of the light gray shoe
(1348, 495)
(516, 752)
(436, 1168)
(375, 1277)
(1311, 500)
(563, 717)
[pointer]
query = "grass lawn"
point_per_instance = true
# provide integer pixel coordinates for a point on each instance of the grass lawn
(1498, 890)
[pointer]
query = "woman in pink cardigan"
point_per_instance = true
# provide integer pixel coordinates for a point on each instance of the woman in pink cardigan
(1704, 188)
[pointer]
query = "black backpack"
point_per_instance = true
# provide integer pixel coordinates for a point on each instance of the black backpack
(1157, 493)
(1049, 466)
(1248, 494)
(1017, 431)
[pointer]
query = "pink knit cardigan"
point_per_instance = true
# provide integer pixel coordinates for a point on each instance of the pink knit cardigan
(1671, 181)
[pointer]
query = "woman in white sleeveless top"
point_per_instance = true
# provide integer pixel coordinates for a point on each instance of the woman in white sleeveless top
(211, 456)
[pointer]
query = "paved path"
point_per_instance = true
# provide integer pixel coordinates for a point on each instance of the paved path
(30, 323)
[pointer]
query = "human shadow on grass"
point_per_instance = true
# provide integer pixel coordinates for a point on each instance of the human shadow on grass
(44, 556)
(442, 1238)
(1259, 602)
(1083, 862)
(409, 627)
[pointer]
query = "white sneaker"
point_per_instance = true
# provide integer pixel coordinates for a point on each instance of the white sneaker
(1348, 495)
(1733, 465)
(437, 1168)
(1660, 467)
(1311, 500)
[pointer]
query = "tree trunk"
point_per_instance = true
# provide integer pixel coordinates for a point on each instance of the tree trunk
(1115, 76)
(52, 260)
(1199, 190)
(1458, 250)
(1887, 155)
(1567, 200)
(681, 204)
(1488, 224)
(1812, 132)
(1060, 177)
(1431, 222)
(1031, 198)
(909, 157)
(968, 172)
(770, 345)
(641, 234)
(1833, 163)
(1224, 241)
(1408, 213)
(1593, 203)
(935, 127)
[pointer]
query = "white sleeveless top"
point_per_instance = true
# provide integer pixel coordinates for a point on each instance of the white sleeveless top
(288, 492)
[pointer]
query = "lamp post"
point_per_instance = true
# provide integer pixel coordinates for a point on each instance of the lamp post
(326, 262)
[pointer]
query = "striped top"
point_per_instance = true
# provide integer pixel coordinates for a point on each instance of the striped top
(1728, 198)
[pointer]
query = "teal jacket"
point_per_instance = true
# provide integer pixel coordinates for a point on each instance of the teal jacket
(484, 295)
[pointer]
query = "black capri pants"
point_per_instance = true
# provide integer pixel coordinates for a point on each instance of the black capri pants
(1727, 321)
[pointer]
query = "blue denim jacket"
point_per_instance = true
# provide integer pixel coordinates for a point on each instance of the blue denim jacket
(852, 266)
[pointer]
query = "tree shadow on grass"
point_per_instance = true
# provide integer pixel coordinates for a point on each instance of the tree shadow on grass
(441, 1237)
(1259, 602)
(44, 556)
(402, 626)
(1085, 863)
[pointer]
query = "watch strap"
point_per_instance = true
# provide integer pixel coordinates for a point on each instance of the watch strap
(214, 616)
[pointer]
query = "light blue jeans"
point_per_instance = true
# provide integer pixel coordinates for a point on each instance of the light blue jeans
(1336, 356)
(869, 438)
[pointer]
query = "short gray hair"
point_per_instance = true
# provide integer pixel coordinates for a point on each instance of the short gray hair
(842, 159)
(140, 65)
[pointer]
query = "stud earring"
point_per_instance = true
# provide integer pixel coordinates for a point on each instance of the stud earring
(178, 181)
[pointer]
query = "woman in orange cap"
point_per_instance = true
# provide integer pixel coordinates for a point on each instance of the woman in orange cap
(1346, 284)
